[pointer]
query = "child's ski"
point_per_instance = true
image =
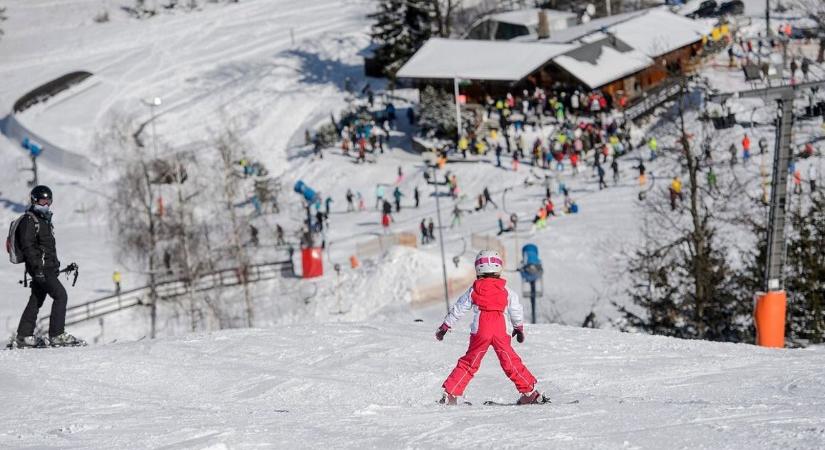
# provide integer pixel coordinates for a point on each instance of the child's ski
(545, 402)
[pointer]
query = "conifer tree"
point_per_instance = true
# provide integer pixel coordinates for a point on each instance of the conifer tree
(805, 270)
(401, 27)
(682, 282)
(389, 33)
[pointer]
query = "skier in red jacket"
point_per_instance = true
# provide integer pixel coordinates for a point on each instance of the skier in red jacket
(489, 298)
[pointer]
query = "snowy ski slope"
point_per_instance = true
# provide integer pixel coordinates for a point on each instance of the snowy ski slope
(307, 381)
(374, 385)
(270, 66)
(238, 62)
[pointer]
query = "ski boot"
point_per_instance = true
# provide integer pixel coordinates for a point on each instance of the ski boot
(448, 399)
(23, 342)
(66, 340)
(532, 398)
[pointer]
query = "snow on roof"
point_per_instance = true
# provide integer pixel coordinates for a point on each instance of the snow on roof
(573, 33)
(478, 60)
(529, 17)
(601, 62)
(659, 31)
(654, 31)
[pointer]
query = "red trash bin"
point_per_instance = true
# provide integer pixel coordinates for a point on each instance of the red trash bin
(312, 262)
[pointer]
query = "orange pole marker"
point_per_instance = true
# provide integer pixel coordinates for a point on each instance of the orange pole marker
(769, 316)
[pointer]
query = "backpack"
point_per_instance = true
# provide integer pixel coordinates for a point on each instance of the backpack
(13, 247)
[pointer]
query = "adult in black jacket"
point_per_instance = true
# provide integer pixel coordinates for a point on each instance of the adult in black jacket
(35, 233)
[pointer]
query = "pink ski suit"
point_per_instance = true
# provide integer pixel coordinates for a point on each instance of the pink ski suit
(488, 298)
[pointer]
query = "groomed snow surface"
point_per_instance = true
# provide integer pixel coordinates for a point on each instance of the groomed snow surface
(373, 379)
(375, 385)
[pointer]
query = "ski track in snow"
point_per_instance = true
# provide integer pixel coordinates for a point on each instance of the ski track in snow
(360, 385)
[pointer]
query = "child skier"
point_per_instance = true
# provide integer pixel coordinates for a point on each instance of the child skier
(489, 298)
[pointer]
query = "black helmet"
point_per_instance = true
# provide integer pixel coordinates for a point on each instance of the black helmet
(41, 192)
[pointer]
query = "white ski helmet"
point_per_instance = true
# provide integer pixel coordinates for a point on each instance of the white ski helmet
(488, 261)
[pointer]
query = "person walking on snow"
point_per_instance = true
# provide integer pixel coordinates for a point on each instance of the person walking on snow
(812, 176)
(600, 171)
(253, 232)
(797, 181)
(397, 196)
(642, 170)
(350, 197)
(746, 149)
(456, 217)
(488, 198)
(360, 198)
(711, 176)
(675, 192)
(379, 195)
(327, 204)
(386, 220)
(116, 277)
(489, 299)
(653, 146)
(416, 196)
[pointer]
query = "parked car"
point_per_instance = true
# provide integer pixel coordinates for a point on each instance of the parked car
(731, 8)
(706, 9)
(804, 32)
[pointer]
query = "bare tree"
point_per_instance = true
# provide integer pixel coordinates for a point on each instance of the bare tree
(815, 9)
(682, 280)
(135, 210)
(227, 145)
(444, 12)
(186, 233)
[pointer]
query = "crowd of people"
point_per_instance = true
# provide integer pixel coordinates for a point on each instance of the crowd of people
(548, 132)
(757, 50)
(562, 134)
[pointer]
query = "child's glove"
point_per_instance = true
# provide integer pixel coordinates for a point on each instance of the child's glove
(518, 332)
(442, 330)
